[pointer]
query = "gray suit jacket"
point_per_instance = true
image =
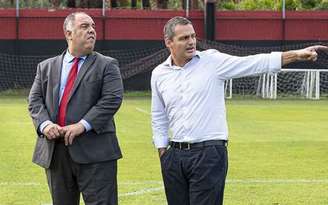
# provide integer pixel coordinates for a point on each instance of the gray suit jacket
(95, 97)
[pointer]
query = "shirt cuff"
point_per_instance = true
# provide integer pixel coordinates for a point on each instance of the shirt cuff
(161, 142)
(86, 125)
(44, 125)
(275, 62)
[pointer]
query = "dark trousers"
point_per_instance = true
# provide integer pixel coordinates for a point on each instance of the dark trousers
(66, 179)
(196, 176)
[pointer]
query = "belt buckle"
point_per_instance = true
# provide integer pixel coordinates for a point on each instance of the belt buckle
(184, 148)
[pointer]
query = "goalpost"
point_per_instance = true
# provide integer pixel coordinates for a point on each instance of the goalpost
(305, 83)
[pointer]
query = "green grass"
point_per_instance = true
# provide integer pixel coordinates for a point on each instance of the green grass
(278, 154)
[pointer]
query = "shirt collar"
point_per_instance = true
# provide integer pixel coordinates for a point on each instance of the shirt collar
(68, 58)
(168, 61)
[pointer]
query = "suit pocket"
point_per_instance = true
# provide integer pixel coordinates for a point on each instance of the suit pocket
(43, 152)
(164, 154)
(165, 158)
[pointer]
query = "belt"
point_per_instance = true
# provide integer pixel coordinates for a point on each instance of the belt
(188, 146)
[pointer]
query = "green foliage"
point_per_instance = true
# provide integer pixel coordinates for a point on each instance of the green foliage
(174, 5)
(309, 4)
(6, 4)
(248, 5)
(227, 5)
(291, 4)
(323, 5)
(260, 5)
(266, 4)
(276, 5)
(257, 5)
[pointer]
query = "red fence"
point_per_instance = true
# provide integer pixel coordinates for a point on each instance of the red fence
(148, 25)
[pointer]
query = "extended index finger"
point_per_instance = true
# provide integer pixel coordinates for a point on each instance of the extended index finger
(321, 48)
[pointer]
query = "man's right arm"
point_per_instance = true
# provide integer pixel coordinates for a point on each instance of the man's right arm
(36, 106)
(160, 122)
(52, 131)
(305, 54)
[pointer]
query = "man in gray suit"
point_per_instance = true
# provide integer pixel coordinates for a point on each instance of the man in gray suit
(72, 104)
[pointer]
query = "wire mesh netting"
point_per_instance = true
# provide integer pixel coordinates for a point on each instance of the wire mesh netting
(18, 71)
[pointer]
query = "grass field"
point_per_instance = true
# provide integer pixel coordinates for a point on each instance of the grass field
(278, 154)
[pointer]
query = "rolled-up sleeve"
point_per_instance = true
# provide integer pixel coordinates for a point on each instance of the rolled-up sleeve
(275, 62)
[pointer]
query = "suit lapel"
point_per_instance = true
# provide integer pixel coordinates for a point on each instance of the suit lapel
(56, 74)
(85, 67)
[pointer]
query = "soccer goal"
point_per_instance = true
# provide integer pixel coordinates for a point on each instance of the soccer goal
(295, 83)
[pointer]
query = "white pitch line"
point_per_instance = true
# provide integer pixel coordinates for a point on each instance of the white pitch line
(16, 123)
(142, 191)
(277, 181)
(142, 110)
(229, 181)
(19, 184)
(140, 182)
(150, 182)
(134, 193)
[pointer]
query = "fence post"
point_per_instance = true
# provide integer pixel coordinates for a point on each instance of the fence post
(17, 19)
(103, 8)
(283, 22)
(187, 8)
(104, 20)
(210, 19)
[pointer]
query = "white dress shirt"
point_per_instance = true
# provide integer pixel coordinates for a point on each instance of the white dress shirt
(189, 100)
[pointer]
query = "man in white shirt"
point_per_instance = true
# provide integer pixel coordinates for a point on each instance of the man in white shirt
(188, 99)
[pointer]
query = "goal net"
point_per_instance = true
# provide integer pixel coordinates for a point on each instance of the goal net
(294, 83)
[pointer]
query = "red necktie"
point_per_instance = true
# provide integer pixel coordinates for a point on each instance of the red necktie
(69, 85)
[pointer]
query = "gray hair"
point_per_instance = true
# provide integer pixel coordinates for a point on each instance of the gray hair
(70, 20)
(171, 24)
